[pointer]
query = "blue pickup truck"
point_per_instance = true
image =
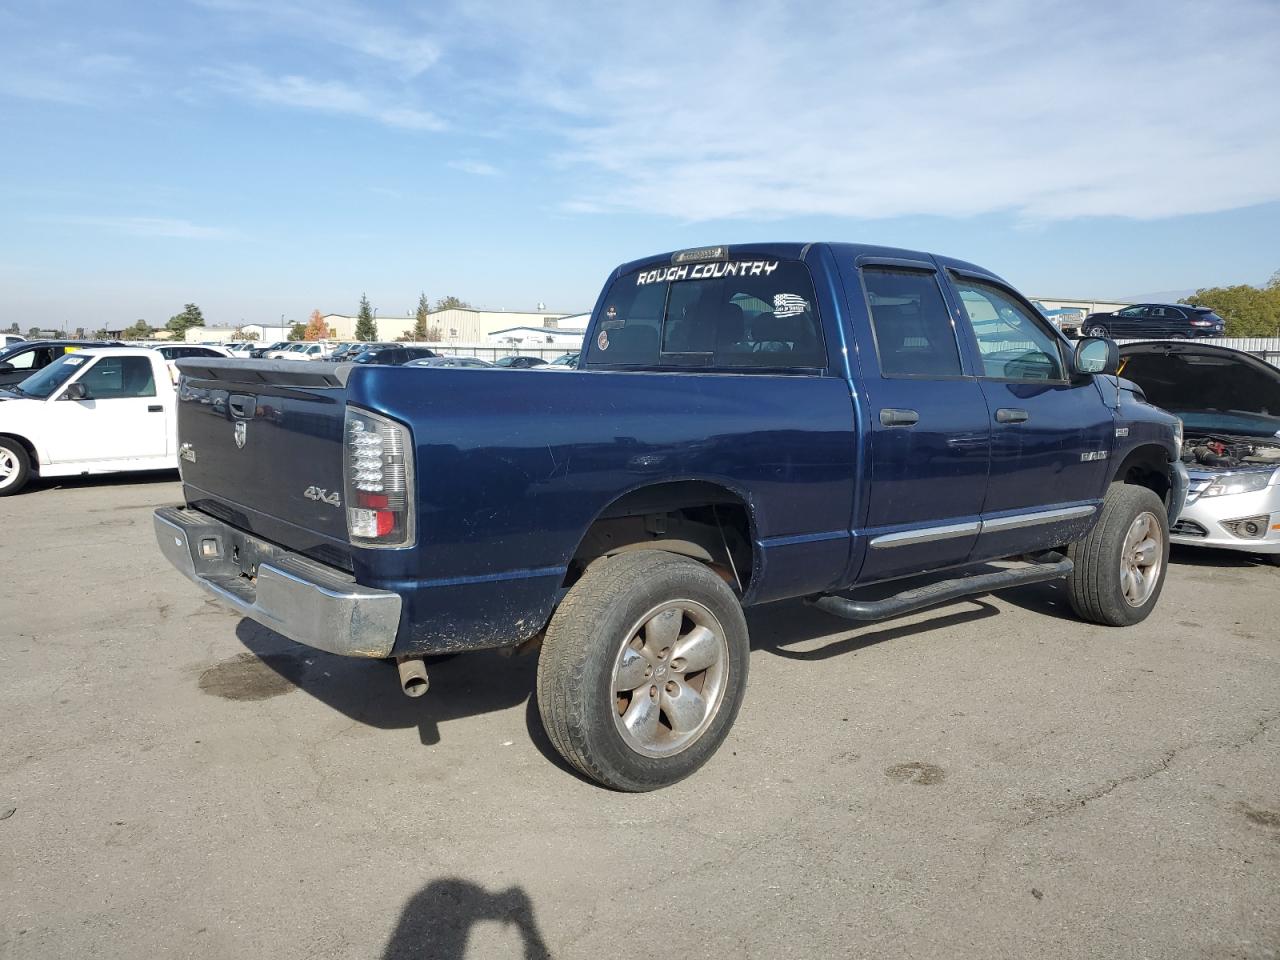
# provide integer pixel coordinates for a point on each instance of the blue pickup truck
(747, 424)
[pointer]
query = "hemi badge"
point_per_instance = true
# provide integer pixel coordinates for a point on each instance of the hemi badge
(187, 452)
(1093, 455)
(1122, 431)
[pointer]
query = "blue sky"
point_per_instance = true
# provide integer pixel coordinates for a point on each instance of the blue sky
(271, 158)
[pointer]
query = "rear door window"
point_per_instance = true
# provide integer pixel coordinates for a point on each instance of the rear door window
(912, 326)
(737, 314)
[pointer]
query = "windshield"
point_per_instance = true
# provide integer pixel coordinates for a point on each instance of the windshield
(48, 381)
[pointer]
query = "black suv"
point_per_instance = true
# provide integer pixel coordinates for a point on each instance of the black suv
(22, 359)
(1176, 321)
(391, 355)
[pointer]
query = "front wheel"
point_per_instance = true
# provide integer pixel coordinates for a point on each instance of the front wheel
(15, 467)
(1120, 566)
(643, 669)
(1097, 330)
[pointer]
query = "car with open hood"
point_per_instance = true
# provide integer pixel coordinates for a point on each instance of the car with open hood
(1229, 405)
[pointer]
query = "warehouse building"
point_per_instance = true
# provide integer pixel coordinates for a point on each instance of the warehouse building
(456, 325)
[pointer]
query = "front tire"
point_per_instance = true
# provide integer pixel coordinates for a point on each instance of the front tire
(643, 669)
(15, 467)
(1120, 566)
(1097, 330)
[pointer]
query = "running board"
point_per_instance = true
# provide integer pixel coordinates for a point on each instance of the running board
(1053, 566)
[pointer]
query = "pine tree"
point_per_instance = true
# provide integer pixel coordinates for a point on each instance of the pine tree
(366, 328)
(420, 318)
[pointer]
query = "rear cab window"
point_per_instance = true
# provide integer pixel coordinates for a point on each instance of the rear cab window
(731, 315)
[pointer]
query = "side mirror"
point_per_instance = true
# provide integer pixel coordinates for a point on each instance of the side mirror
(6, 368)
(77, 391)
(1096, 355)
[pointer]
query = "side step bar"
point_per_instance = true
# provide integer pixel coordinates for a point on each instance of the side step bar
(1050, 566)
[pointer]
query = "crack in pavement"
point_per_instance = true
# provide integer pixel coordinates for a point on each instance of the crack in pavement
(1062, 808)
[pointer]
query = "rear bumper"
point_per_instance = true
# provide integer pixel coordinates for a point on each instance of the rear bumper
(293, 595)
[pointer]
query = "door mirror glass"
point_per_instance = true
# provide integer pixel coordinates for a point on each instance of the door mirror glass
(1096, 355)
(77, 391)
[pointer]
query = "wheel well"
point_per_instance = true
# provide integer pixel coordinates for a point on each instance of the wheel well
(28, 446)
(693, 518)
(1148, 467)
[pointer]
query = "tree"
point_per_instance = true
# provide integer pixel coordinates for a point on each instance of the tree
(316, 329)
(298, 331)
(452, 303)
(33, 333)
(366, 328)
(13, 328)
(243, 334)
(100, 333)
(139, 331)
(79, 334)
(420, 318)
(189, 317)
(1249, 311)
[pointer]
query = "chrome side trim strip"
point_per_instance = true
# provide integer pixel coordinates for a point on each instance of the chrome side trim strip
(924, 535)
(906, 538)
(1032, 519)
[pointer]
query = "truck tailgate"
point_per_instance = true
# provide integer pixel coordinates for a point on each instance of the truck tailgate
(260, 447)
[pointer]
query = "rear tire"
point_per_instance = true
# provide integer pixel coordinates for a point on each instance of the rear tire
(1120, 566)
(1097, 330)
(15, 467)
(642, 670)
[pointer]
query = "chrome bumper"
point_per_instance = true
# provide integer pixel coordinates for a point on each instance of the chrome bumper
(293, 595)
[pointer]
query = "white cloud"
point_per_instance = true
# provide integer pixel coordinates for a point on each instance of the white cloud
(148, 227)
(901, 107)
(476, 167)
(330, 96)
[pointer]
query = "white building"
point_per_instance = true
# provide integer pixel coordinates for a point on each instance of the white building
(458, 325)
(529, 337)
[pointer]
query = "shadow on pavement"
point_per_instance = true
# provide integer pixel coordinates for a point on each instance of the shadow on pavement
(436, 922)
(778, 627)
(368, 691)
(104, 480)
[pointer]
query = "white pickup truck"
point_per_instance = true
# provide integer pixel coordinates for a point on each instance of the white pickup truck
(92, 411)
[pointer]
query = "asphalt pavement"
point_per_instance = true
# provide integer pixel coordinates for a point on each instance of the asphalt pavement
(989, 779)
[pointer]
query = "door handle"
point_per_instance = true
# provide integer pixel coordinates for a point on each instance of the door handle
(155, 408)
(890, 417)
(1010, 415)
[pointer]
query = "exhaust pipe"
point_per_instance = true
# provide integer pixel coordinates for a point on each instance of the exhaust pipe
(413, 676)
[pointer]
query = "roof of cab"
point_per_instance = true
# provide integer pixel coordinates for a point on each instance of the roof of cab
(846, 252)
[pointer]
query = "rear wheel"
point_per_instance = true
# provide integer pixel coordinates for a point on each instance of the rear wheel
(1097, 330)
(643, 669)
(15, 467)
(1120, 566)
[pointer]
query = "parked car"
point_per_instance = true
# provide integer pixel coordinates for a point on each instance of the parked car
(1067, 319)
(1229, 405)
(566, 361)
(449, 362)
(620, 521)
(24, 358)
(393, 354)
(518, 363)
(97, 410)
(173, 352)
(260, 352)
(314, 350)
(346, 351)
(8, 339)
(240, 348)
(1173, 320)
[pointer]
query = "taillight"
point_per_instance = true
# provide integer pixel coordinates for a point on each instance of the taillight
(1202, 323)
(378, 471)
